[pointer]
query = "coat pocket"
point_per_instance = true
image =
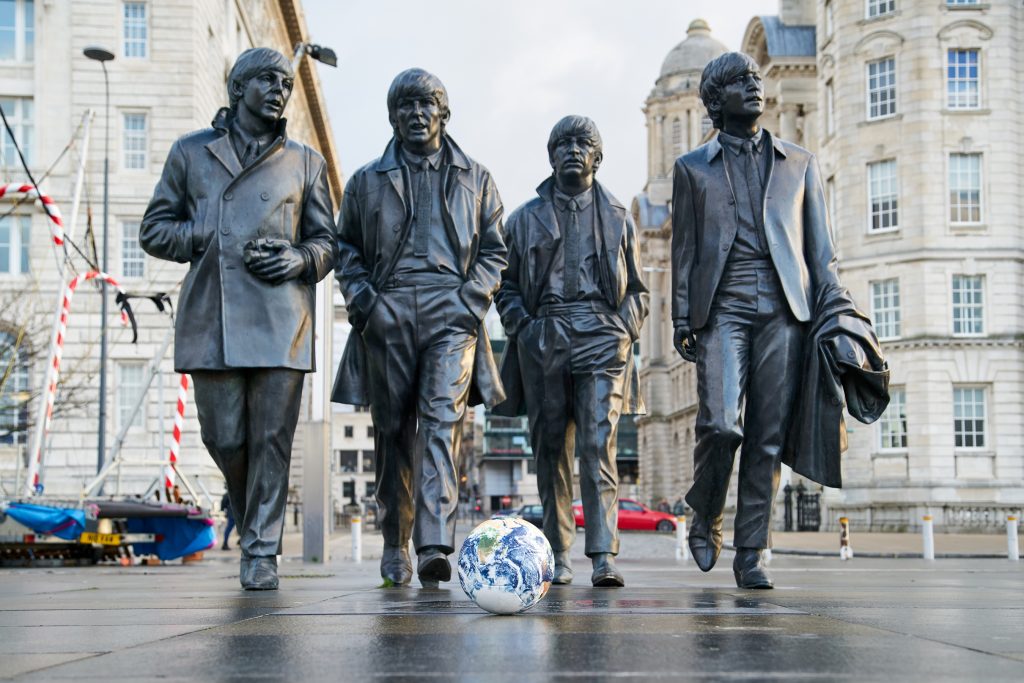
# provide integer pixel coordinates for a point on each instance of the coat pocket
(200, 233)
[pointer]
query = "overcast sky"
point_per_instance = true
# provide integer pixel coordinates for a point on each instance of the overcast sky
(512, 69)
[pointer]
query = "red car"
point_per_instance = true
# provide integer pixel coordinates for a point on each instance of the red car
(633, 516)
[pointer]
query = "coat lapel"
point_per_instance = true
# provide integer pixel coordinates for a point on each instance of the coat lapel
(224, 152)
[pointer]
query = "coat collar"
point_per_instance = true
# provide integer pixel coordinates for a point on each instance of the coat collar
(714, 147)
(390, 160)
(607, 209)
(221, 147)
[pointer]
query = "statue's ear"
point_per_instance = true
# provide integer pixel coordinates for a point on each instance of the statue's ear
(598, 158)
(237, 89)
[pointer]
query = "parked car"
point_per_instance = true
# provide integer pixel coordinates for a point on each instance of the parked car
(534, 514)
(633, 516)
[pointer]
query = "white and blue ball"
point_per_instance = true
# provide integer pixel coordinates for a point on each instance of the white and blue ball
(506, 565)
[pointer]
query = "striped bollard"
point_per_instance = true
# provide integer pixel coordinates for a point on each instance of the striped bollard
(357, 539)
(929, 538)
(845, 550)
(1012, 543)
(682, 549)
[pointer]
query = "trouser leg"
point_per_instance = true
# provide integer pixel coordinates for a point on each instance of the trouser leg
(220, 404)
(775, 352)
(391, 364)
(547, 381)
(445, 372)
(722, 348)
(273, 397)
(598, 370)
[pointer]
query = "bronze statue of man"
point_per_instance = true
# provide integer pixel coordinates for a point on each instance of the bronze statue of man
(752, 253)
(572, 302)
(420, 257)
(250, 210)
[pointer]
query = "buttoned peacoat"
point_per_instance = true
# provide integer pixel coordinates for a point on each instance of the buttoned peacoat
(374, 226)
(533, 238)
(203, 211)
(704, 225)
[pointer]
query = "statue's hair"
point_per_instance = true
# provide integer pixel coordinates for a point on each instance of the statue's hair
(252, 63)
(717, 74)
(576, 126)
(413, 83)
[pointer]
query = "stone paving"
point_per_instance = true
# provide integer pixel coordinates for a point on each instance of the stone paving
(866, 619)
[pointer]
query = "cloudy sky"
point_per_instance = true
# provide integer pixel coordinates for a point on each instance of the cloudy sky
(512, 69)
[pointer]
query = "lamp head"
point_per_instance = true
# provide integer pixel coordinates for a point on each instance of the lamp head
(97, 53)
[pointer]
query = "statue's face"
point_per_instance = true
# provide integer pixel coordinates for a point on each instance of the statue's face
(743, 96)
(419, 120)
(575, 160)
(267, 93)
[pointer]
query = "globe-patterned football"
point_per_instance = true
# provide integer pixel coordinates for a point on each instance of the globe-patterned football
(506, 565)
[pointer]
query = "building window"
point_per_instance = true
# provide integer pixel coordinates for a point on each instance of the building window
(17, 30)
(677, 136)
(135, 141)
(19, 112)
(369, 432)
(881, 88)
(348, 461)
(15, 239)
(968, 305)
(885, 308)
(883, 196)
(879, 8)
(706, 126)
(13, 389)
(136, 30)
(956, 3)
(892, 426)
(964, 188)
(969, 417)
(133, 259)
(963, 82)
(830, 18)
(349, 431)
(830, 108)
(130, 379)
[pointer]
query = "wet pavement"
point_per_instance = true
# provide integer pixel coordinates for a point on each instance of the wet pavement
(867, 619)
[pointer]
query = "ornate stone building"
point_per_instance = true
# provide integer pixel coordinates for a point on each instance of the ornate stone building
(167, 78)
(920, 160)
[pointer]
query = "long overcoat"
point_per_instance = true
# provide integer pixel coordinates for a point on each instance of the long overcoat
(203, 211)
(533, 239)
(374, 226)
(704, 225)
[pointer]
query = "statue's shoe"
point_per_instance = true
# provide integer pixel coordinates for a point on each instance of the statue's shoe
(563, 569)
(705, 540)
(395, 565)
(433, 567)
(258, 573)
(606, 574)
(749, 570)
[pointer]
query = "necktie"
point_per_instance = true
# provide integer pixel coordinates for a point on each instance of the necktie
(571, 287)
(252, 150)
(423, 207)
(754, 189)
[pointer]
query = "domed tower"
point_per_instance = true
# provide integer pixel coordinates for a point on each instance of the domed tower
(676, 123)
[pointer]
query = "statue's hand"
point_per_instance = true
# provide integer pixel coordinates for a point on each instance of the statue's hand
(685, 343)
(275, 261)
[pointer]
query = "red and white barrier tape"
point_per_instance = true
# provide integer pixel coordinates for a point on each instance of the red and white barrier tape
(179, 420)
(56, 353)
(52, 212)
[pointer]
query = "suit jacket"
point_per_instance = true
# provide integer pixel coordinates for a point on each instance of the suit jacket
(375, 224)
(203, 210)
(704, 225)
(533, 238)
(842, 359)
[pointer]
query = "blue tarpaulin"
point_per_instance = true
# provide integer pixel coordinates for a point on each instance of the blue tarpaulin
(42, 519)
(175, 536)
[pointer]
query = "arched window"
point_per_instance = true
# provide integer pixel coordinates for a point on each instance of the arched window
(677, 136)
(13, 388)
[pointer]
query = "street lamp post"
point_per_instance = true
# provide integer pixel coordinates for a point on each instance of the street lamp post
(103, 56)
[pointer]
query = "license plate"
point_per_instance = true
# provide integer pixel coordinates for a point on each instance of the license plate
(100, 539)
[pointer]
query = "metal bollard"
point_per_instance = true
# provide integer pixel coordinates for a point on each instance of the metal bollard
(357, 539)
(1012, 543)
(929, 538)
(845, 549)
(682, 548)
